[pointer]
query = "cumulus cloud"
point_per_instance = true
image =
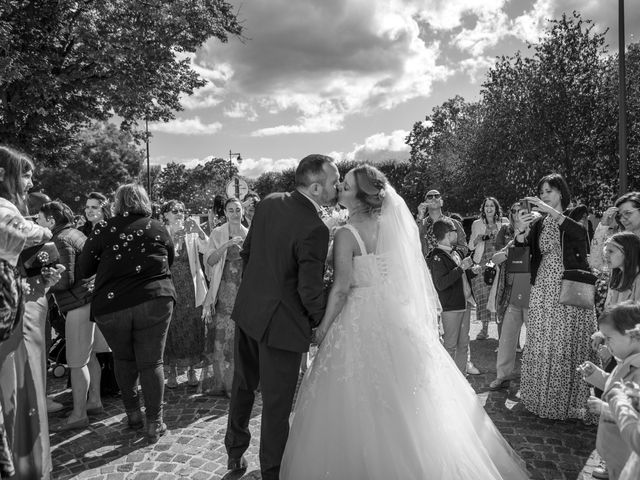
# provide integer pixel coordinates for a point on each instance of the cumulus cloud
(254, 167)
(318, 62)
(241, 110)
(377, 148)
(186, 126)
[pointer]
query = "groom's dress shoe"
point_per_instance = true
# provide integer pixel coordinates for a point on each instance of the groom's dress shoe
(237, 464)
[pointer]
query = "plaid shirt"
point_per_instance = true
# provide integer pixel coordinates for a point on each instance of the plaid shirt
(428, 239)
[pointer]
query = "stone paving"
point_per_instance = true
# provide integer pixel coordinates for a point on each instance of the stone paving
(193, 447)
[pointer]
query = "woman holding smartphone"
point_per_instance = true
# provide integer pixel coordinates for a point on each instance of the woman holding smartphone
(224, 264)
(558, 335)
(185, 340)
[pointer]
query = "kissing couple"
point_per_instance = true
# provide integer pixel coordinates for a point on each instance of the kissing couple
(382, 399)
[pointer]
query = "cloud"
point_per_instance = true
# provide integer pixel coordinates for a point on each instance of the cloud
(312, 63)
(241, 110)
(253, 168)
(476, 67)
(379, 147)
(186, 126)
(163, 160)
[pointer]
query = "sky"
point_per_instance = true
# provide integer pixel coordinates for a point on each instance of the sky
(349, 78)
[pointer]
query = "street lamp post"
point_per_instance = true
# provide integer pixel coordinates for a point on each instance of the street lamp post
(237, 181)
(146, 129)
(622, 103)
(239, 160)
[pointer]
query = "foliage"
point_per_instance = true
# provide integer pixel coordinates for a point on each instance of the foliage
(554, 110)
(103, 158)
(64, 64)
(284, 181)
(196, 186)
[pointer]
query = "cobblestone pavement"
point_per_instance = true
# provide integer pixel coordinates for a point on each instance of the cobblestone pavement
(193, 447)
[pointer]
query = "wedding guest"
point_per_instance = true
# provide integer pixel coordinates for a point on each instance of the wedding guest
(624, 403)
(82, 338)
(185, 340)
(223, 260)
(96, 210)
(216, 213)
(558, 335)
(622, 258)
(618, 325)
(249, 205)
(512, 301)
(12, 241)
(22, 356)
(133, 300)
(428, 212)
(450, 273)
(482, 241)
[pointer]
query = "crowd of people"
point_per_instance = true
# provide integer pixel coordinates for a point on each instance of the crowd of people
(158, 289)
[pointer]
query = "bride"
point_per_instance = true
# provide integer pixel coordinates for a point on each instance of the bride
(383, 400)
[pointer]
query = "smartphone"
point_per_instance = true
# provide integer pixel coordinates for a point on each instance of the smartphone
(525, 205)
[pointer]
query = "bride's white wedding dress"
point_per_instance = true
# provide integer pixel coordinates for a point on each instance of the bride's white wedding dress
(383, 399)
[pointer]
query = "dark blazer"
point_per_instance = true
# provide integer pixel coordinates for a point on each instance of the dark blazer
(447, 278)
(573, 239)
(130, 257)
(281, 296)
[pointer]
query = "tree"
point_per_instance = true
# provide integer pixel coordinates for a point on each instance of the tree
(552, 112)
(195, 187)
(65, 63)
(441, 156)
(103, 158)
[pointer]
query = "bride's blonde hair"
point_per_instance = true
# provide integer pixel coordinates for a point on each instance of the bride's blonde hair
(370, 185)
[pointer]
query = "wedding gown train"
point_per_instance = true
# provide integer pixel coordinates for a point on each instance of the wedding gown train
(383, 400)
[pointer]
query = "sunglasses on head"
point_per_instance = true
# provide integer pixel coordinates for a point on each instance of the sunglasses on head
(176, 211)
(431, 196)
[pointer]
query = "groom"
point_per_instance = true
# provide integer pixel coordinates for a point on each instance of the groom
(281, 298)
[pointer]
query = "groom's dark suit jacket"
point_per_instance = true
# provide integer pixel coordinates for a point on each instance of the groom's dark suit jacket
(281, 296)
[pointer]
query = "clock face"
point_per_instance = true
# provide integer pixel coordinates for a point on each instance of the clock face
(237, 188)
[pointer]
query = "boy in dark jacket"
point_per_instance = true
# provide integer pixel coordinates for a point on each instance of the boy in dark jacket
(450, 275)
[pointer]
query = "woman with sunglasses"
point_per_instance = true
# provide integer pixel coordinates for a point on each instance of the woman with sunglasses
(224, 266)
(185, 340)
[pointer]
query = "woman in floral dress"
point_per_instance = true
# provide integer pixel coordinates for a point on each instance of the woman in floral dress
(483, 242)
(224, 265)
(185, 340)
(558, 335)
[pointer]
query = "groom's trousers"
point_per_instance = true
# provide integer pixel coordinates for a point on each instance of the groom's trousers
(277, 373)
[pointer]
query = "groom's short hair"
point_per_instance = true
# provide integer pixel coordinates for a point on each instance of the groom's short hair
(442, 227)
(311, 170)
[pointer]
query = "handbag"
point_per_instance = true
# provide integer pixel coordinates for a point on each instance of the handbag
(578, 289)
(32, 260)
(518, 260)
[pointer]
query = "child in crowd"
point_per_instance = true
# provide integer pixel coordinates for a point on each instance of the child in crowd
(450, 277)
(624, 402)
(618, 326)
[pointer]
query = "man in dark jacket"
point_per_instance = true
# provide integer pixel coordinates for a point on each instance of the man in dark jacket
(281, 298)
(449, 272)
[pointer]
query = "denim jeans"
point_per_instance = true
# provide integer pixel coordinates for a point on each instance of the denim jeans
(137, 336)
